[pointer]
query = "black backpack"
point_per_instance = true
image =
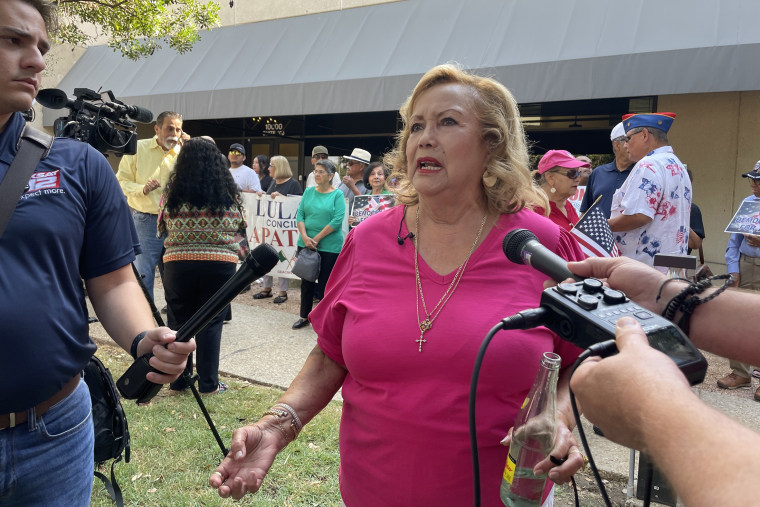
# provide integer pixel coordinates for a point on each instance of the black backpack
(110, 423)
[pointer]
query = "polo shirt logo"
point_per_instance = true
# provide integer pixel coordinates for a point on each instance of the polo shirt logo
(44, 180)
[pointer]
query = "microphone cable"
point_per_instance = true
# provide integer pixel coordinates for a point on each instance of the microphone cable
(527, 319)
(602, 349)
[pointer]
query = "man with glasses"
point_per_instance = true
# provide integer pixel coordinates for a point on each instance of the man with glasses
(245, 177)
(650, 211)
(317, 154)
(352, 182)
(607, 178)
(743, 262)
(142, 177)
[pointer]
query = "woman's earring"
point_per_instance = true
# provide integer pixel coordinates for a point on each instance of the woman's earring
(552, 190)
(489, 180)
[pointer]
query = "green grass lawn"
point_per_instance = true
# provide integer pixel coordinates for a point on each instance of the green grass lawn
(174, 451)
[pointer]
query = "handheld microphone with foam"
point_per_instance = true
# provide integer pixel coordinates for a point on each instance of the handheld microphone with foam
(134, 385)
(54, 98)
(522, 247)
(137, 113)
(586, 312)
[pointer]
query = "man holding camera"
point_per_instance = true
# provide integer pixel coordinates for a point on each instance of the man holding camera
(70, 223)
(142, 177)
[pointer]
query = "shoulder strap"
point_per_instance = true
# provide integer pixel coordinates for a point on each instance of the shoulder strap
(33, 146)
(112, 487)
(701, 255)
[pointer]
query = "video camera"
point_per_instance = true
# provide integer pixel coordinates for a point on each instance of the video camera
(97, 119)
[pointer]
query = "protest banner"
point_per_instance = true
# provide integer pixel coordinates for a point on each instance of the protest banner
(746, 219)
(577, 198)
(273, 221)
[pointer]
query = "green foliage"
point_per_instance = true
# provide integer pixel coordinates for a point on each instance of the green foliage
(137, 28)
(174, 451)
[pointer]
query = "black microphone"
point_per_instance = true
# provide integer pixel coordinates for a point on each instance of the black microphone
(54, 98)
(401, 240)
(522, 247)
(134, 385)
(409, 235)
(585, 312)
(136, 113)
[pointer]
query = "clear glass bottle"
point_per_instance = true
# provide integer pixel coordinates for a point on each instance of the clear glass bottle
(533, 437)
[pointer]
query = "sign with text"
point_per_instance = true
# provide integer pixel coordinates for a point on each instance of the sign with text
(273, 221)
(367, 205)
(577, 198)
(746, 219)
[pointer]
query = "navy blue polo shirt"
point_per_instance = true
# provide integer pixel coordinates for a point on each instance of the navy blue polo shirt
(604, 180)
(72, 224)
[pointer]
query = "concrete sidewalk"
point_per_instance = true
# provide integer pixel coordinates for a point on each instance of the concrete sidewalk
(260, 346)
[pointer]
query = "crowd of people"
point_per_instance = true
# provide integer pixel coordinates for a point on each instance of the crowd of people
(460, 175)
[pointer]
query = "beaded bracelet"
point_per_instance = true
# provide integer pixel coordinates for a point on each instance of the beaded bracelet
(295, 422)
(278, 413)
(687, 300)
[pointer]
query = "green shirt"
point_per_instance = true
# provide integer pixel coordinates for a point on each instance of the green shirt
(317, 210)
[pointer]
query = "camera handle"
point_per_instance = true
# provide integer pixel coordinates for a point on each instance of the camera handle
(189, 379)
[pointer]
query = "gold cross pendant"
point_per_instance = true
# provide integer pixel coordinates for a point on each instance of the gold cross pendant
(421, 340)
(424, 326)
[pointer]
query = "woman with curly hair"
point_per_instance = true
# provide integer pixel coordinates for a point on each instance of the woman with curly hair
(462, 165)
(200, 213)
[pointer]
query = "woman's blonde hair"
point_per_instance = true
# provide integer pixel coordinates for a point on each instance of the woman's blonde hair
(506, 182)
(282, 168)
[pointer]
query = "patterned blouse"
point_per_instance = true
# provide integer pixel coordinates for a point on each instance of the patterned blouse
(201, 234)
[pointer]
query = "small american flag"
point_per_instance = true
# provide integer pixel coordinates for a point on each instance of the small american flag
(594, 235)
(379, 203)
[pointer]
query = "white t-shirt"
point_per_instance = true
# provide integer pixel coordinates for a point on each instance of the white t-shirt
(659, 188)
(246, 178)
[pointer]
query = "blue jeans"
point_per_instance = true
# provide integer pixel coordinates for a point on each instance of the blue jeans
(50, 461)
(151, 246)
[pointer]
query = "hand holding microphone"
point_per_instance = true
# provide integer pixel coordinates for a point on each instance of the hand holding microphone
(134, 385)
(586, 312)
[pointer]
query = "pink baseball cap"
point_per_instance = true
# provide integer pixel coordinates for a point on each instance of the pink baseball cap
(561, 158)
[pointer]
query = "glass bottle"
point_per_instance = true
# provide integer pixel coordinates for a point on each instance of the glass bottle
(533, 437)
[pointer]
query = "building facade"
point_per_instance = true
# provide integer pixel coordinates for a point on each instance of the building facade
(283, 77)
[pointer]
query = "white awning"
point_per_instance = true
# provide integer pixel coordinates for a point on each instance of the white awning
(370, 58)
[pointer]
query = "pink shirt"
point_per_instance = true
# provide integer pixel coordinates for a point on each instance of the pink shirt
(404, 433)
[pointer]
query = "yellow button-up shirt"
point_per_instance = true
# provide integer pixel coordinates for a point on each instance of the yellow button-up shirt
(150, 162)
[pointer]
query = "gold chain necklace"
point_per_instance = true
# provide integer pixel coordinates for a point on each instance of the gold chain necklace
(430, 317)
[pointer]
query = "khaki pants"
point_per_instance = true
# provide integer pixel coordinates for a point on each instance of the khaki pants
(749, 270)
